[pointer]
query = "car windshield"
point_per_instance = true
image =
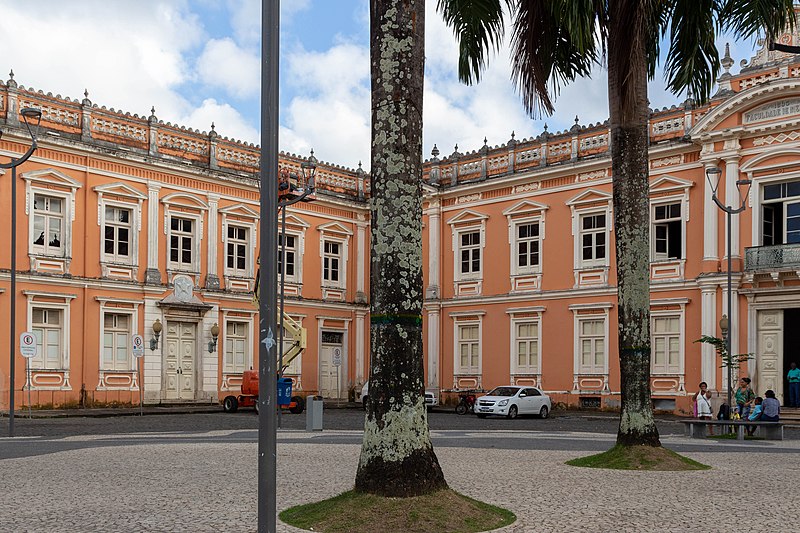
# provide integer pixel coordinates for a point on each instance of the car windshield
(504, 391)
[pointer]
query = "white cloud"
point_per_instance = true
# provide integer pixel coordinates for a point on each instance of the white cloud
(224, 64)
(227, 120)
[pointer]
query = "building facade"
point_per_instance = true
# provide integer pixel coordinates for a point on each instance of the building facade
(127, 220)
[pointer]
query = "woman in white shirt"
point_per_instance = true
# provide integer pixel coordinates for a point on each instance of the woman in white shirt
(702, 399)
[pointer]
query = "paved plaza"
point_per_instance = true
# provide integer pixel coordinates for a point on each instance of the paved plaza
(170, 482)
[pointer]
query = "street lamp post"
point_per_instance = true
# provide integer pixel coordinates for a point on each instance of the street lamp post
(29, 115)
(713, 174)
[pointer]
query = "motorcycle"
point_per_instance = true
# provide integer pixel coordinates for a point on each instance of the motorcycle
(466, 403)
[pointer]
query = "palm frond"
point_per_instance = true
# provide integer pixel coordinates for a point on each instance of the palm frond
(553, 43)
(479, 28)
(750, 17)
(693, 59)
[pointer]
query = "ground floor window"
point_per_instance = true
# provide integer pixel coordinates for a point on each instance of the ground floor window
(48, 328)
(116, 340)
(592, 346)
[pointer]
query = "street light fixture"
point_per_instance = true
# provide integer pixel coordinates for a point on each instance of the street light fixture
(714, 174)
(32, 118)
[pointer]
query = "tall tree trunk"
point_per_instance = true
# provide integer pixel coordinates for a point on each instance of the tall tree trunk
(628, 110)
(397, 457)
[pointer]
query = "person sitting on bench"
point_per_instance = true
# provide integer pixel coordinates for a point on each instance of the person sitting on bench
(755, 414)
(770, 407)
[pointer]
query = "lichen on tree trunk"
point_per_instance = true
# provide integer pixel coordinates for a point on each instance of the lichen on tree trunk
(397, 457)
(628, 113)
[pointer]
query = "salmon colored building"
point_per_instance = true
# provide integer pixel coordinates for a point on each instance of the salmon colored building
(127, 220)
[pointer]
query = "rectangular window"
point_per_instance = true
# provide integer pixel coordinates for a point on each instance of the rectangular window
(592, 346)
(781, 214)
(331, 259)
(48, 224)
(470, 252)
(236, 253)
(468, 348)
(236, 347)
(527, 347)
(116, 339)
(47, 327)
(117, 233)
(290, 253)
(667, 231)
(181, 236)
(593, 239)
(527, 247)
(666, 332)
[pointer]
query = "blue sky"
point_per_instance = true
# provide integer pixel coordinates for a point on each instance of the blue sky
(197, 62)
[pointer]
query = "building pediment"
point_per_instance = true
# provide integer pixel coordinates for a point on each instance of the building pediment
(525, 207)
(670, 184)
(589, 196)
(467, 215)
(120, 189)
(761, 107)
(778, 157)
(182, 199)
(51, 176)
(239, 210)
(334, 227)
(296, 222)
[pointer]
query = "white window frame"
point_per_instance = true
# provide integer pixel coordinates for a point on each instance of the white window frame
(665, 368)
(64, 307)
(589, 203)
(334, 232)
(228, 366)
(476, 247)
(655, 255)
(39, 361)
(461, 320)
(467, 222)
(594, 261)
(234, 271)
(66, 226)
(196, 236)
(295, 368)
(51, 182)
(583, 312)
(516, 368)
(328, 259)
(131, 314)
(516, 269)
(297, 260)
(133, 232)
(593, 368)
(189, 206)
(126, 197)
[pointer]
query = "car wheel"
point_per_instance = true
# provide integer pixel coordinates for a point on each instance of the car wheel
(481, 416)
(229, 404)
(544, 412)
(299, 405)
(512, 412)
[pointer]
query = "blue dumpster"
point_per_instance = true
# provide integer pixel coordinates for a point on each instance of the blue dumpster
(284, 391)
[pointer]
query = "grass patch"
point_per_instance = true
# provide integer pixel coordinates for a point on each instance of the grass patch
(639, 458)
(444, 511)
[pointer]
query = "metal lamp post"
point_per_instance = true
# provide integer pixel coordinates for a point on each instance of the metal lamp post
(31, 117)
(713, 174)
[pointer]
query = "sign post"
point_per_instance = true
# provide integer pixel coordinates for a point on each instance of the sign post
(337, 362)
(138, 353)
(27, 347)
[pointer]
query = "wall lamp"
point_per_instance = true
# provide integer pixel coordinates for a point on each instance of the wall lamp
(212, 344)
(157, 328)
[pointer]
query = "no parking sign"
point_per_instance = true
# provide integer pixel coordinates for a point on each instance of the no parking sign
(138, 346)
(27, 344)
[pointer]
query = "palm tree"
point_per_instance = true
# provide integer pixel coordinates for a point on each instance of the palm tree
(397, 457)
(555, 41)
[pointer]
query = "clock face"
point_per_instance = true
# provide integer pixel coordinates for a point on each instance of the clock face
(183, 288)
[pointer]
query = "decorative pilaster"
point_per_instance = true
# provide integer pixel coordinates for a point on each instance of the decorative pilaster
(708, 326)
(360, 376)
(86, 117)
(152, 275)
(432, 291)
(732, 197)
(710, 221)
(361, 226)
(432, 381)
(212, 279)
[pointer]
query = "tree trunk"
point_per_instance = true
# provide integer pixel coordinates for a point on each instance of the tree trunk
(628, 110)
(397, 458)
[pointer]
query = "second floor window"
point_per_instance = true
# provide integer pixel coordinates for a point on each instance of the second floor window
(117, 233)
(470, 248)
(781, 214)
(48, 224)
(180, 242)
(330, 261)
(593, 239)
(667, 239)
(527, 247)
(290, 251)
(236, 254)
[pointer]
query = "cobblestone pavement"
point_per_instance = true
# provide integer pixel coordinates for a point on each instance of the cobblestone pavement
(209, 486)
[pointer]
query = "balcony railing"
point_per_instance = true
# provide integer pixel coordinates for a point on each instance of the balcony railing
(779, 257)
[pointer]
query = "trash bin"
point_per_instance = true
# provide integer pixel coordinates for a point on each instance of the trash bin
(314, 413)
(284, 391)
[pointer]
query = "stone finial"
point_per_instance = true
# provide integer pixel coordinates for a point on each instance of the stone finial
(11, 81)
(727, 60)
(152, 117)
(86, 100)
(576, 127)
(359, 170)
(545, 133)
(485, 147)
(435, 152)
(455, 153)
(213, 132)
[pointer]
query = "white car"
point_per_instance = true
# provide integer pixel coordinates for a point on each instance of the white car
(431, 399)
(513, 400)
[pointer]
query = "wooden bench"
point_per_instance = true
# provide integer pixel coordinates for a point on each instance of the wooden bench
(698, 429)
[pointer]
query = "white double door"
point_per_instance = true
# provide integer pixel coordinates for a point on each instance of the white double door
(330, 374)
(179, 359)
